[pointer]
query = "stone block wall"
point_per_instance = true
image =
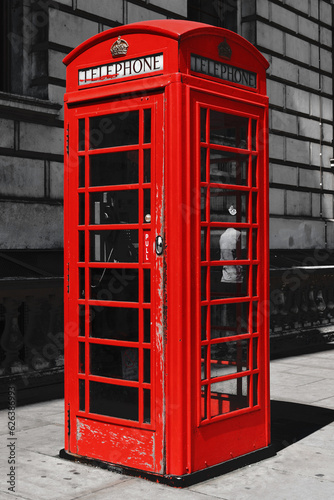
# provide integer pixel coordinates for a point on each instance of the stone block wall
(296, 38)
(31, 123)
(31, 180)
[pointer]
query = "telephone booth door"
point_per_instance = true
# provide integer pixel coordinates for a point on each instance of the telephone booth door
(115, 382)
(230, 158)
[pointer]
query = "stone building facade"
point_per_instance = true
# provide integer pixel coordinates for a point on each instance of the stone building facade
(295, 37)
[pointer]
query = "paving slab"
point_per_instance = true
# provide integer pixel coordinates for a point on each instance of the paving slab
(312, 371)
(26, 423)
(47, 439)
(10, 496)
(294, 380)
(263, 483)
(277, 367)
(305, 461)
(312, 393)
(140, 489)
(42, 477)
(323, 438)
(41, 409)
(327, 403)
(308, 360)
(302, 469)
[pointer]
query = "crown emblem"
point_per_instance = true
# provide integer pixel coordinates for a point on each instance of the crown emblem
(119, 48)
(224, 50)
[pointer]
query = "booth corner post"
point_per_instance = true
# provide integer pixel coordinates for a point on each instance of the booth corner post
(166, 254)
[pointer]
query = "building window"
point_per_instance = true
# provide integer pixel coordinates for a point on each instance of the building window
(5, 46)
(221, 13)
(23, 52)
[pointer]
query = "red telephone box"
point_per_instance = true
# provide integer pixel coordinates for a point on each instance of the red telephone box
(166, 251)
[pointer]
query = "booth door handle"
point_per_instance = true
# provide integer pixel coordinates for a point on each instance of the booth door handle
(159, 244)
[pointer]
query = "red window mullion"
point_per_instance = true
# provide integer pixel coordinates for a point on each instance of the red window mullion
(250, 364)
(113, 149)
(141, 271)
(114, 187)
(86, 243)
(114, 381)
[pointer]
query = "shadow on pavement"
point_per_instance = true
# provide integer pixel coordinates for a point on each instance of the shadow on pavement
(291, 422)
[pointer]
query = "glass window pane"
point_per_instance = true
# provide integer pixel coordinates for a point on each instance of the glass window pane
(147, 203)
(204, 353)
(203, 244)
(203, 124)
(254, 244)
(114, 284)
(81, 138)
(114, 207)
(255, 353)
(81, 321)
(113, 400)
(81, 395)
(147, 126)
(228, 206)
(117, 323)
(255, 317)
(254, 208)
(118, 245)
(147, 406)
(229, 244)
(147, 366)
(147, 286)
(147, 165)
(203, 164)
(254, 171)
(255, 389)
(112, 169)
(81, 246)
(82, 287)
(228, 130)
(228, 168)
(114, 361)
(147, 325)
(81, 171)
(118, 129)
(229, 395)
(203, 204)
(82, 357)
(204, 322)
(229, 281)
(229, 319)
(204, 272)
(229, 357)
(254, 130)
(255, 283)
(81, 209)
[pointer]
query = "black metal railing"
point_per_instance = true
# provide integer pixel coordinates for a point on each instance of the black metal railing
(31, 327)
(31, 320)
(301, 305)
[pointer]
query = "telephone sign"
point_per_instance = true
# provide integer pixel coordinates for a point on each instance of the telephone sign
(166, 251)
(121, 69)
(223, 71)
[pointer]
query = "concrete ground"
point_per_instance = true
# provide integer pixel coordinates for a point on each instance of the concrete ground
(302, 393)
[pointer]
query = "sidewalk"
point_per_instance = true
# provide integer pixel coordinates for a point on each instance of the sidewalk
(302, 393)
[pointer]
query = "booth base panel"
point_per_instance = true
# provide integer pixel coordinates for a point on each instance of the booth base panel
(178, 481)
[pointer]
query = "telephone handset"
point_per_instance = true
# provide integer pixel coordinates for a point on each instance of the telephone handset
(113, 245)
(104, 213)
